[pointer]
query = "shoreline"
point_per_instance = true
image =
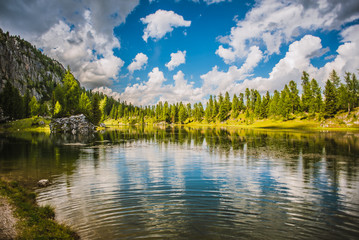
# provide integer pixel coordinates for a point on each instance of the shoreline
(266, 124)
(7, 219)
(41, 124)
(21, 216)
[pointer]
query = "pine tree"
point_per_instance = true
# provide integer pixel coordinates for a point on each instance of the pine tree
(274, 104)
(254, 96)
(257, 104)
(113, 112)
(200, 111)
(222, 115)
(11, 102)
(227, 103)
(209, 109)
(285, 102)
(96, 113)
(72, 93)
(352, 90)
(120, 111)
(34, 106)
(109, 104)
(265, 106)
(307, 95)
(18, 110)
(102, 105)
(235, 106)
(85, 104)
(166, 112)
(27, 100)
(189, 110)
(294, 97)
(174, 116)
(248, 98)
(241, 102)
(330, 103)
(215, 109)
(44, 109)
(57, 109)
(182, 113)
(334, 78)
(159, 114)
(343, 99)
(59, 94)
(317, 103)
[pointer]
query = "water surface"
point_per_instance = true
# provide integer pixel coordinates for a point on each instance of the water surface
(181, 183)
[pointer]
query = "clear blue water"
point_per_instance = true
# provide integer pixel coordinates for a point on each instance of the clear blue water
(146, 183)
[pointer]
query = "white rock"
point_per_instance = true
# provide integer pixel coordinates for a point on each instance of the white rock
(43, 183)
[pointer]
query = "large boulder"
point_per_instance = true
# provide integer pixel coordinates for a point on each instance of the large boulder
(77, 124)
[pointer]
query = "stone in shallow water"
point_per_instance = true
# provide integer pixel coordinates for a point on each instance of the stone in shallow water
(43, 183)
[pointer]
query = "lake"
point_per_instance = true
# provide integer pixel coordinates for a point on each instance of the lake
(185, 183)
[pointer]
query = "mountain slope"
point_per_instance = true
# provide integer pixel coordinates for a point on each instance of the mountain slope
(27, 67)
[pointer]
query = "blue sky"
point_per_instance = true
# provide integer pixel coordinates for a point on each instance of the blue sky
(184, 50)
(198, 40)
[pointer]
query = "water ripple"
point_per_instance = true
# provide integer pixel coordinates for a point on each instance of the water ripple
(144, 190)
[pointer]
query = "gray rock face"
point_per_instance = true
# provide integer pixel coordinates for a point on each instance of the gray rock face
(77, 124)
(27, 68)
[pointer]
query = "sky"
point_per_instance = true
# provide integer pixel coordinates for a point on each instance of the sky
(145, 51)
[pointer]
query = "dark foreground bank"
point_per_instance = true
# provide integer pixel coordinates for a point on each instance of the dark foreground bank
(24, 219)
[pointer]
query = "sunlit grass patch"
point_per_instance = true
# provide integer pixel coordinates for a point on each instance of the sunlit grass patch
(34, 124)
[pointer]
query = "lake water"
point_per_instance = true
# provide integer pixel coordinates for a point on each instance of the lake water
(181, 183)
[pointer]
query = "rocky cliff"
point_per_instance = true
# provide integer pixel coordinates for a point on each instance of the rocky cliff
(27, 67)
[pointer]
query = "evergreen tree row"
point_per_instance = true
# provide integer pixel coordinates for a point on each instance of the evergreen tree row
(69, 98)
(285, 104)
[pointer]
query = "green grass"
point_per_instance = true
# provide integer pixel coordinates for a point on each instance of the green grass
(342, 121)
(26, 124)
(35, 222)
(290, 124)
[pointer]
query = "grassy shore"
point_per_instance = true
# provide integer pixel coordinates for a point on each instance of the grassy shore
(342, 121)
(34, 124)
(34, 222)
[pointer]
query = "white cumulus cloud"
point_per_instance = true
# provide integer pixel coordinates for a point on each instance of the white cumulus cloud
(347, 58)
(177, 59)
(138, 62)
(162, 22)
(154, 90)
(274, 22)
(88, 52)
(107, 91)
(76, 33)
(215, 81)
(31, 19)
(296, 60)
